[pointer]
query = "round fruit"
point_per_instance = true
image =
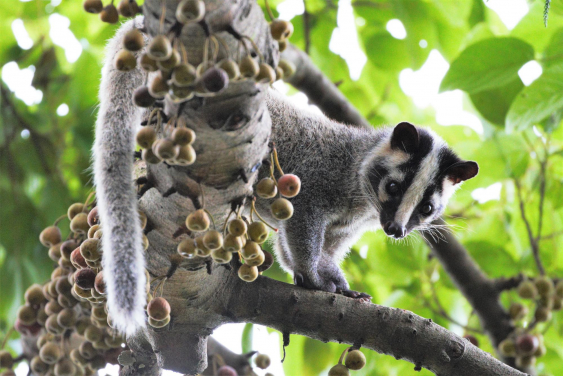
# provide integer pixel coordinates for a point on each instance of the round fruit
(77, 358)
(279, 73)
(146, 135)
(248, 67)
(289, 185)
(64, 367)
(542, 314)
(288, 68)
(198, 221)
(77, 260)
(158, 309)
(133, 40)
(85, 278)
(34, 295)
(282, 209)
(164, 148)
(544, 285)
(262, 361)
(99, 283)
(67, 247)
(256, 261)
(266, 74)
(38, 366)
(282, 45)
(201, 249)
(266, 188)
(149, 157)
(158, 87)
(185, 155)
(184, 75)
(93, 218)
(93, 334)
(67, 318)
(159, 324)
(226, 371)
(6, 360)
(79, 224)
(237, 227)
(202, 68)
(251, 250)
(53, 307)
(557, 303)
(160, 48)
(74, 209)
(232, 243)
(187, 248)
(50, 236)
(527, 290)
(527, 344)
(213, 239)
(268, 262)
(258, 232)
(170, 63)
(281, 29)
(92, 231)
(109, 14)
(231, 67)
(128, 8)
(190, 11)
(143, 98)
(183, 136)
(248, 273)
(52, 325)
(507, 347)
(93, 6)
(27, 315)
(89, 249)
(355, 360)
(559, 288)
(143, 219)
(517, 311)
(525, 361)
(221, 256)
(87, 350)
(50, 353)
(215, 79)
(339, 370)
(148, 63)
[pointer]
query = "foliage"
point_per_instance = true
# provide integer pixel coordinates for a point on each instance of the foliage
(44, 173)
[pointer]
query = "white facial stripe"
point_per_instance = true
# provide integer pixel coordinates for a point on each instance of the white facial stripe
(425, 174)
(448, 189)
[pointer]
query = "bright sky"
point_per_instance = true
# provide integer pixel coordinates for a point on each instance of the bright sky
(422, 86)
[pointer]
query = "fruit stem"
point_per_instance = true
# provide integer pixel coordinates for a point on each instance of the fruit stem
(151, 115)
(342, 356)
(184, 53)
(226, 222)
(255, 48)
(162, 17)
(215, 49)
(87, 202)
(270, 13)
(253, 209)
(275, 153)
(59, 219)
(205, 52)
(225, 47)
(210, 216)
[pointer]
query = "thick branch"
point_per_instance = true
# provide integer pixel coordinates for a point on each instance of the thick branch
(310, 80)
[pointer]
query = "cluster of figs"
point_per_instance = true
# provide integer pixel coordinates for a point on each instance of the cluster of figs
(526, 343)
(350, 359)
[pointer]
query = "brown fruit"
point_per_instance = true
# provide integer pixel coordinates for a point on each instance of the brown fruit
(289, 185)
(248, 67)
(6, 359)
(38, 366)
(77, 358)
(237, 227)
(282, 209)
(50, 236)
(93, 6)
(215, 79)
(160, 48)
(143, 98)
(232, 243)
(213, 239)
(77, 260)
(266, 74)
(79, 224)
(125, 61)
(27, 315)
(201, 249)
(231, 67)
(42, 316)
(67, 247)
(93, 218)
(146, 137)
(63, 286)
(50, 353)
(149, 157)
(268, 262)
(526, 344)
(338, 370)
(262, 361)
(53, 307)
(55, 252)
(542, 314)
(279, 73)
(164, 148)
(87, 350)
(52, 325)
(198, 221)
(288, 68)
(133, 40)
(557, 303)
(282, 45)
(248, 273)
(99, 283)
(559, 289)
(187, 248)
(527, 290)
(183, 136)
(159, 324)
(266, 188)
(158, 309)
(190, 11)
(128, 8)
(85, 278)
(93, 334)
(517, 311)
(355, 360)
(221, 256)
(170, 63)
(148, 63)
(544, 284)
(226, 371)
(184, 75)
(281, 29)
(185, 155)
(158, 87)
(109, 14)
(34, 295)
(89, 249)
(67, 318)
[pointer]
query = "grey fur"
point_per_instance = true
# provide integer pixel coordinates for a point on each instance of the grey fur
(123, 258)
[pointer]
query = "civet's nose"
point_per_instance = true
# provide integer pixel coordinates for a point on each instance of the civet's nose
(395, 230)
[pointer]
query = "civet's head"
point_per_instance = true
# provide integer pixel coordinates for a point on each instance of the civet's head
(410, 177)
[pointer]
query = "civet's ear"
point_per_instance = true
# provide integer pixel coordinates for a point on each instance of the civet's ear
(461, 171)
(405, 137)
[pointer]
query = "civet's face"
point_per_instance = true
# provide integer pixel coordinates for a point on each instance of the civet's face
(411, 177)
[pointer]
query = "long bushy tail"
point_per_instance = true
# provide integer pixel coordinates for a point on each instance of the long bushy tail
(123, 257)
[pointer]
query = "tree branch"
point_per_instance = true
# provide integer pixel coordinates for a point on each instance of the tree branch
(310, 80)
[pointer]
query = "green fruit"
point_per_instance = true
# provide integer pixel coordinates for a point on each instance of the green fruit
(355, 360)
(64, 367)
(237, 227)
(517, 311)
(34, 295)
(74, 209)
(221, 256)
(164, 148)
(258, 232)
(544, 285)
(50, 353)
(262, 361)
(542, 314)
(190, 11)
(525, 361)
(170, 63)
(201, 249)
(187, 248)
(52, 325)
(256, 261)
(87, 350)
(184, 75)
(266, 74)
(282, 209)
(158, 87)
(67, 318)
(266, 188)
(527, 290)
(339, 370)
(231, 67)
(183, 136)
(507, 347)
(27, 315)
(248, 67)
(232, 243)
(79, 224)
(185, 155)
(133, 40)
(89, 249)
(6, 359)
(213, 240)
(38, 366)
(160, 48)
(281, 29)
(159, 324)
(146, 137)
(198, 221)
(93, 334)
(282, 45)
(148, 63)
(149, 157)
(251, 250)
(248, 273)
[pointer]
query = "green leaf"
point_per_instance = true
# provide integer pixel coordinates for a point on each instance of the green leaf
(246, 340)
(553, 53)
(488, 64)
(536, 102)
(494, 104)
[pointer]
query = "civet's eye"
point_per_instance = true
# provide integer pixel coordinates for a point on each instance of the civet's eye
(426, 209)
(392, 187)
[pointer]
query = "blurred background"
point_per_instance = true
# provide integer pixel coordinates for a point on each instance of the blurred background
(395, 60)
